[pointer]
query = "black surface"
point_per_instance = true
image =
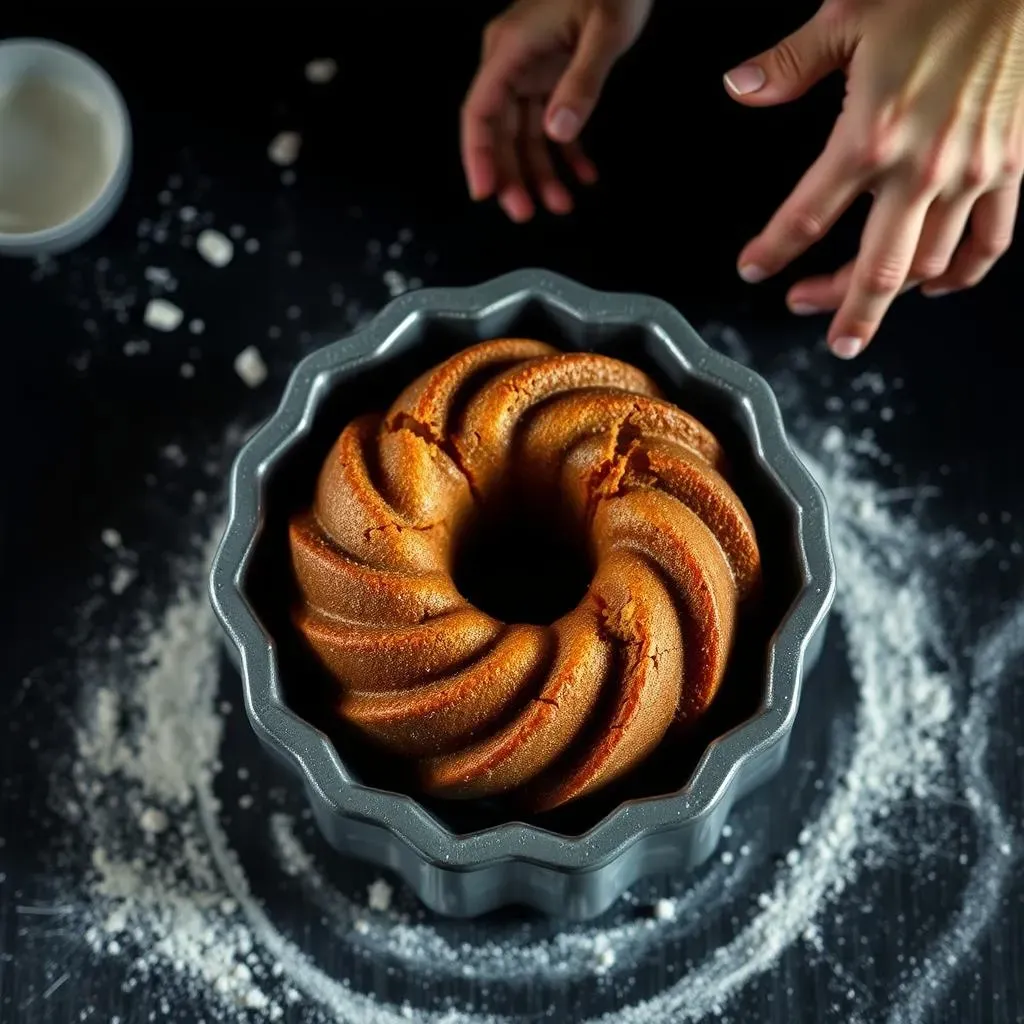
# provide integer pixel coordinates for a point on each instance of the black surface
(687, 177)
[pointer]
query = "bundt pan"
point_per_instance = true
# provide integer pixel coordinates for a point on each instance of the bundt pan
(465, 858)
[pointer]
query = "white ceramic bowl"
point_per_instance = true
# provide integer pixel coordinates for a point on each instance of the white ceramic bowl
(65, 147)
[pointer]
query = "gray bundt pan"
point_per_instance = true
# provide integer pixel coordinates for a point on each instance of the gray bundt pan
(576, 876)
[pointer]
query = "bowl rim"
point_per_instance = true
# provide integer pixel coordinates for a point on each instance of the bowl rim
(91, 217)
(719, 773)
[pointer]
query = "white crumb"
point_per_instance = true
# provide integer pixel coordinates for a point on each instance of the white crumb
(111, 537)
(321, 71)
(121, 579)
(664, 910)
(284, 148)
(249, 365)
(215, 248)
(162, 315)
(154, 821)
(378, 895)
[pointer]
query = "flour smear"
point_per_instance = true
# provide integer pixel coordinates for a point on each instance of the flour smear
(167, 891)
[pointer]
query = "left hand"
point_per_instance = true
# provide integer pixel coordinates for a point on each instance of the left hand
(932, 126)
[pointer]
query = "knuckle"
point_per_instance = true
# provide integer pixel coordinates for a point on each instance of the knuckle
(871, 156)
(992, 246)
(805, 226)
(837, 13)
(881, 278)
(878, 148)
(929, 172)
(968, 278)
(977, 173)
(927, 268)
(1012, 166)
(788, 60)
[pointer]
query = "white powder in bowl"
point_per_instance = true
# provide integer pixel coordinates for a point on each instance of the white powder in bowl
(55, 155)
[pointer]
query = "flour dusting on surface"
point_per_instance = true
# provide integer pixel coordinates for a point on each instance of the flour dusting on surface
(210, 897)
(168, 888)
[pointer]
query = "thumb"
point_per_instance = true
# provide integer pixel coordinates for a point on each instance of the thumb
(602, 41)
(791, 67)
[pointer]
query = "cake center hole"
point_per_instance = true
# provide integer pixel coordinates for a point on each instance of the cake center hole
(519, 566)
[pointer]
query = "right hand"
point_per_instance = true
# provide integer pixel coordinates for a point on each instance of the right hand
(543, 65)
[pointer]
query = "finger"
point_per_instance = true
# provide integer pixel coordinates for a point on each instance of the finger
(581, 164)
(789, 69)
(537, 160)
(825, 293)
(483, 110)
(513, 195)
(992, 221)
(820, 198)
(820, 294)
(888, 244)
(943, 229)
(602, 41)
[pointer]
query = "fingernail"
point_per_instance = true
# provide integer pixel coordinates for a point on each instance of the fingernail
(847, 348)
(747, 78)
(752, 273)
(563, 125)
(935, 293)
(803, 309)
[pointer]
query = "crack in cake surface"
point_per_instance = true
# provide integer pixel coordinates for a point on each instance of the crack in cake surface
(483, 707)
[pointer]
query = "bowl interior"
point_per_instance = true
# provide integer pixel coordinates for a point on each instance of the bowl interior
(372, 385)
(60, 106)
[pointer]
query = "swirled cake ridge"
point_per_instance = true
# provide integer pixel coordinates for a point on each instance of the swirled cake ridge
(485, 707)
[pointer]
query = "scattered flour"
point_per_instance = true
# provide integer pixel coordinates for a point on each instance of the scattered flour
(152, 731)
(168, 894)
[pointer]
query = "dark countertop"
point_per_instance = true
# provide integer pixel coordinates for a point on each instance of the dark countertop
(687, 177)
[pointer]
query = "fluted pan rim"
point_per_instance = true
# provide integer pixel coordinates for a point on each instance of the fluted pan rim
(727, 768)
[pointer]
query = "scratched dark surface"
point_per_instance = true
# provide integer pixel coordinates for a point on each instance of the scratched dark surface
(686, 178)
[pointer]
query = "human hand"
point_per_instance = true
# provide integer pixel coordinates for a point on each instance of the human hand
(932, 126)
(543, 66)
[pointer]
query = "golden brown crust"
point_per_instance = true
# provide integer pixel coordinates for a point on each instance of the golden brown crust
(549, 712)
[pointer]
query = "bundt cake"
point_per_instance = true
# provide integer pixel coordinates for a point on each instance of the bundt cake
(483, 707)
